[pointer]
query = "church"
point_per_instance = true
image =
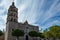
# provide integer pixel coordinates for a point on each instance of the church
(12, 23)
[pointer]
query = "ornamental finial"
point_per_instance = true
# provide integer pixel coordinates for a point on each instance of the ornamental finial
(12, 0)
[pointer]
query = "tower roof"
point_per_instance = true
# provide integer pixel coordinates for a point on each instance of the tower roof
(26, 22)
(13, 7)
(12, 2)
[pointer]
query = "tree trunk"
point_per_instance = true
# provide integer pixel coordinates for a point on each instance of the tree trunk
(17, 38)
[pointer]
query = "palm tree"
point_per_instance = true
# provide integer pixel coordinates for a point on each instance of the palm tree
(17, 33)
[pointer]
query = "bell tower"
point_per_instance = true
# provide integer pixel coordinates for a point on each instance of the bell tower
(12, 21)
(12, 13)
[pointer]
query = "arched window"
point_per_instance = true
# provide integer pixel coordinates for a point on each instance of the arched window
(14, 20)
(11, 19)
(12, 29)
(14, 15)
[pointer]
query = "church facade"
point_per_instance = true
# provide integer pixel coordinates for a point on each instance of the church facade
(12, 23)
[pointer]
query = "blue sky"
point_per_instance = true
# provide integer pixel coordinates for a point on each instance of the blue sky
(42, 13)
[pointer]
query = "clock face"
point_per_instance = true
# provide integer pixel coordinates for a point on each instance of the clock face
(26, 30)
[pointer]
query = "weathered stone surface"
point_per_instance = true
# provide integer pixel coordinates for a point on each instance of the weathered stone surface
(12, 23)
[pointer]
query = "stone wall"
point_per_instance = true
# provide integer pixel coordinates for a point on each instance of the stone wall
(37, 38)
(29, 38)
(1, 37)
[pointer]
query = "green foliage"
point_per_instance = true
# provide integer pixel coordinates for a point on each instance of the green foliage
(1, 33)
(54, 31)
(47, 34)
(33, 34)
(17, 33)
(41, 35)
(36, 34)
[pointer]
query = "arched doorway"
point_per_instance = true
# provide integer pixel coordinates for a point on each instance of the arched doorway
(26, 37)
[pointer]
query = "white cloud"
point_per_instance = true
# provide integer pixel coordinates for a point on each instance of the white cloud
(3, 22)
(28, 10)
(49, 12)
(1, 11)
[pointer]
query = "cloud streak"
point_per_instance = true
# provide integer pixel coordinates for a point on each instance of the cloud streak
(43, 13)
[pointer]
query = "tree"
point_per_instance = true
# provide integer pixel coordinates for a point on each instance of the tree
(1, 33)
(47, 34)
(33, 34)
(41, 35)
(53, 32)
(17, 33)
